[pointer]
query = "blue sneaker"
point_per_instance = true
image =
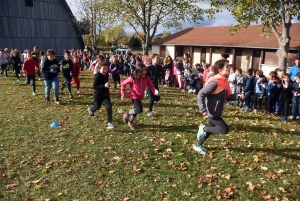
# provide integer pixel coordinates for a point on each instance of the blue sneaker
(200, 149)
(201, 133)
(247, 108)
(284, 119)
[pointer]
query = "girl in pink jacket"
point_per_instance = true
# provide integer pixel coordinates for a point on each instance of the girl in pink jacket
(138, 82)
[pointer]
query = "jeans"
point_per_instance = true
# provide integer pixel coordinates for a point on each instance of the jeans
(32, 78)
(295, 110)
(52, 83)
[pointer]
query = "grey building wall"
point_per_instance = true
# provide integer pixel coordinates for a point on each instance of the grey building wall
(48, 24)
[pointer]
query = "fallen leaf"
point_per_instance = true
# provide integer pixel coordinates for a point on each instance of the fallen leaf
(111, 171)
(126, 199)
(11, 186)
(174, 185)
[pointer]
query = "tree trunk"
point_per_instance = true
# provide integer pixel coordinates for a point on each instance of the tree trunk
(282, 54)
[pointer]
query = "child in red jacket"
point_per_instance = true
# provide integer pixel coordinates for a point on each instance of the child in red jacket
(30, 65)
(76, 69)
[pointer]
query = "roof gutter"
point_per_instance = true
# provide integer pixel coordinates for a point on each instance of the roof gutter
(269, 48)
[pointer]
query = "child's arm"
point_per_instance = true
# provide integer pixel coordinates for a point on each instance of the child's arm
(270, 86)
(152, 87)
(123, 86)
(37, 67)
(205, 91)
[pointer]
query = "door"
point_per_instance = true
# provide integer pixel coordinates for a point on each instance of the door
(238, 58)
(162, 51)
(256, 59)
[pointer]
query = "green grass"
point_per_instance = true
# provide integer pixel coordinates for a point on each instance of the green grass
(82, 160)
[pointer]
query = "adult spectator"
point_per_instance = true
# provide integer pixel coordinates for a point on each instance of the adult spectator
(295, 69)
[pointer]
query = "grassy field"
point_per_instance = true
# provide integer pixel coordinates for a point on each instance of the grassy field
(82, 160)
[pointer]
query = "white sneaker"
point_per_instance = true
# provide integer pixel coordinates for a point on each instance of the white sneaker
(33, 93)
(110, 126)
(56, 102)
(78, 92)
(200, 149)
(150, 114)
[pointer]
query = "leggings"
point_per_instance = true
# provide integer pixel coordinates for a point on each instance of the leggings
(216, 125)
(152, 98)
(76, 80)
(97, 104)
(138, 108)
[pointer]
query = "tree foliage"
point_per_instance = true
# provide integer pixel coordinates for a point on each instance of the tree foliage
(113, 34)
(134, 43)
(146, 15)
(269, 13)
(165, 34)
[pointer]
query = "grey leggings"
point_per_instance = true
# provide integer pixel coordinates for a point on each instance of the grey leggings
(216, 125)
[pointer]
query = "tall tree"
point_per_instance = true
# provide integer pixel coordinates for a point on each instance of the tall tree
(275, 16)
(113, 34)
(90, 12)
(165, 34)
(147, 15)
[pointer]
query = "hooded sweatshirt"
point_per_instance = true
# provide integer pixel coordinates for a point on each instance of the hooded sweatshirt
(137, 88)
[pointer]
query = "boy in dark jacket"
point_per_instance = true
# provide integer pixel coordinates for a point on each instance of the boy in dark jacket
(285, 96)
(156, 73)
(248, 89)
(296, 97)
(101, 93)
(51, 70)
(67, 70)
(271, 88)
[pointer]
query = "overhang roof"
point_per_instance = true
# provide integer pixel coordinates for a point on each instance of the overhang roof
(219, 36)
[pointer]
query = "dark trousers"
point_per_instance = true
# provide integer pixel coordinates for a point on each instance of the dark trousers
(284, 105)
(248, 99)
(17, 71)
(98, 102)
(269, 104)
(67, 82)
(4, 69)
(32, 78)
(152, 98)
(216, 125)
(116, 78)
(138, 108)
(257, 99)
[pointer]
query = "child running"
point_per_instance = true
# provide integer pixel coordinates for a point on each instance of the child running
(30, 65)
(101, 93)
(138, 82)
(67, 71)
(76, 70)
(216, 91)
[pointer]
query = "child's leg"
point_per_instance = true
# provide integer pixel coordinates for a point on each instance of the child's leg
(27, 79)
(255, 101)
(97, 103)
(33, 83)
(138, 108)
(286, 105)
(68, 83)
(56, 88)
(216, 125)
(152, 98)
(108, 107)
(76, 80)
(47, 88)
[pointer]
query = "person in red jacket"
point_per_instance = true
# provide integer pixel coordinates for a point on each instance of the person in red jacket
(76, 69)
(30, 65)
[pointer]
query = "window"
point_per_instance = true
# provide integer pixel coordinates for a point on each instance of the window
(29, 3)
(179, 51)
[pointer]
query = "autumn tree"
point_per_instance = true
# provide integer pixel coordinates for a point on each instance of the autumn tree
(145, 15)
(165, 34)
(93, 15)
(275, 17)
(114, 34)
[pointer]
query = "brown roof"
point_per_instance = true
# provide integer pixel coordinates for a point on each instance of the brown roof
(220, 36)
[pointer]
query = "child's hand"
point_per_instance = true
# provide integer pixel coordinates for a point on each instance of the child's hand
(106, 85)
(122, 98)
(156, 92)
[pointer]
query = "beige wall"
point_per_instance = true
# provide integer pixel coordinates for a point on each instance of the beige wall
(186, 50)
(196, 56)
(155, 49)
(217, 55)
(246, 59)
(207, 55)
(170, 50)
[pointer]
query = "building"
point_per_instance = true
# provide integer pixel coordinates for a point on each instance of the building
(43, 23)
(246, 49)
